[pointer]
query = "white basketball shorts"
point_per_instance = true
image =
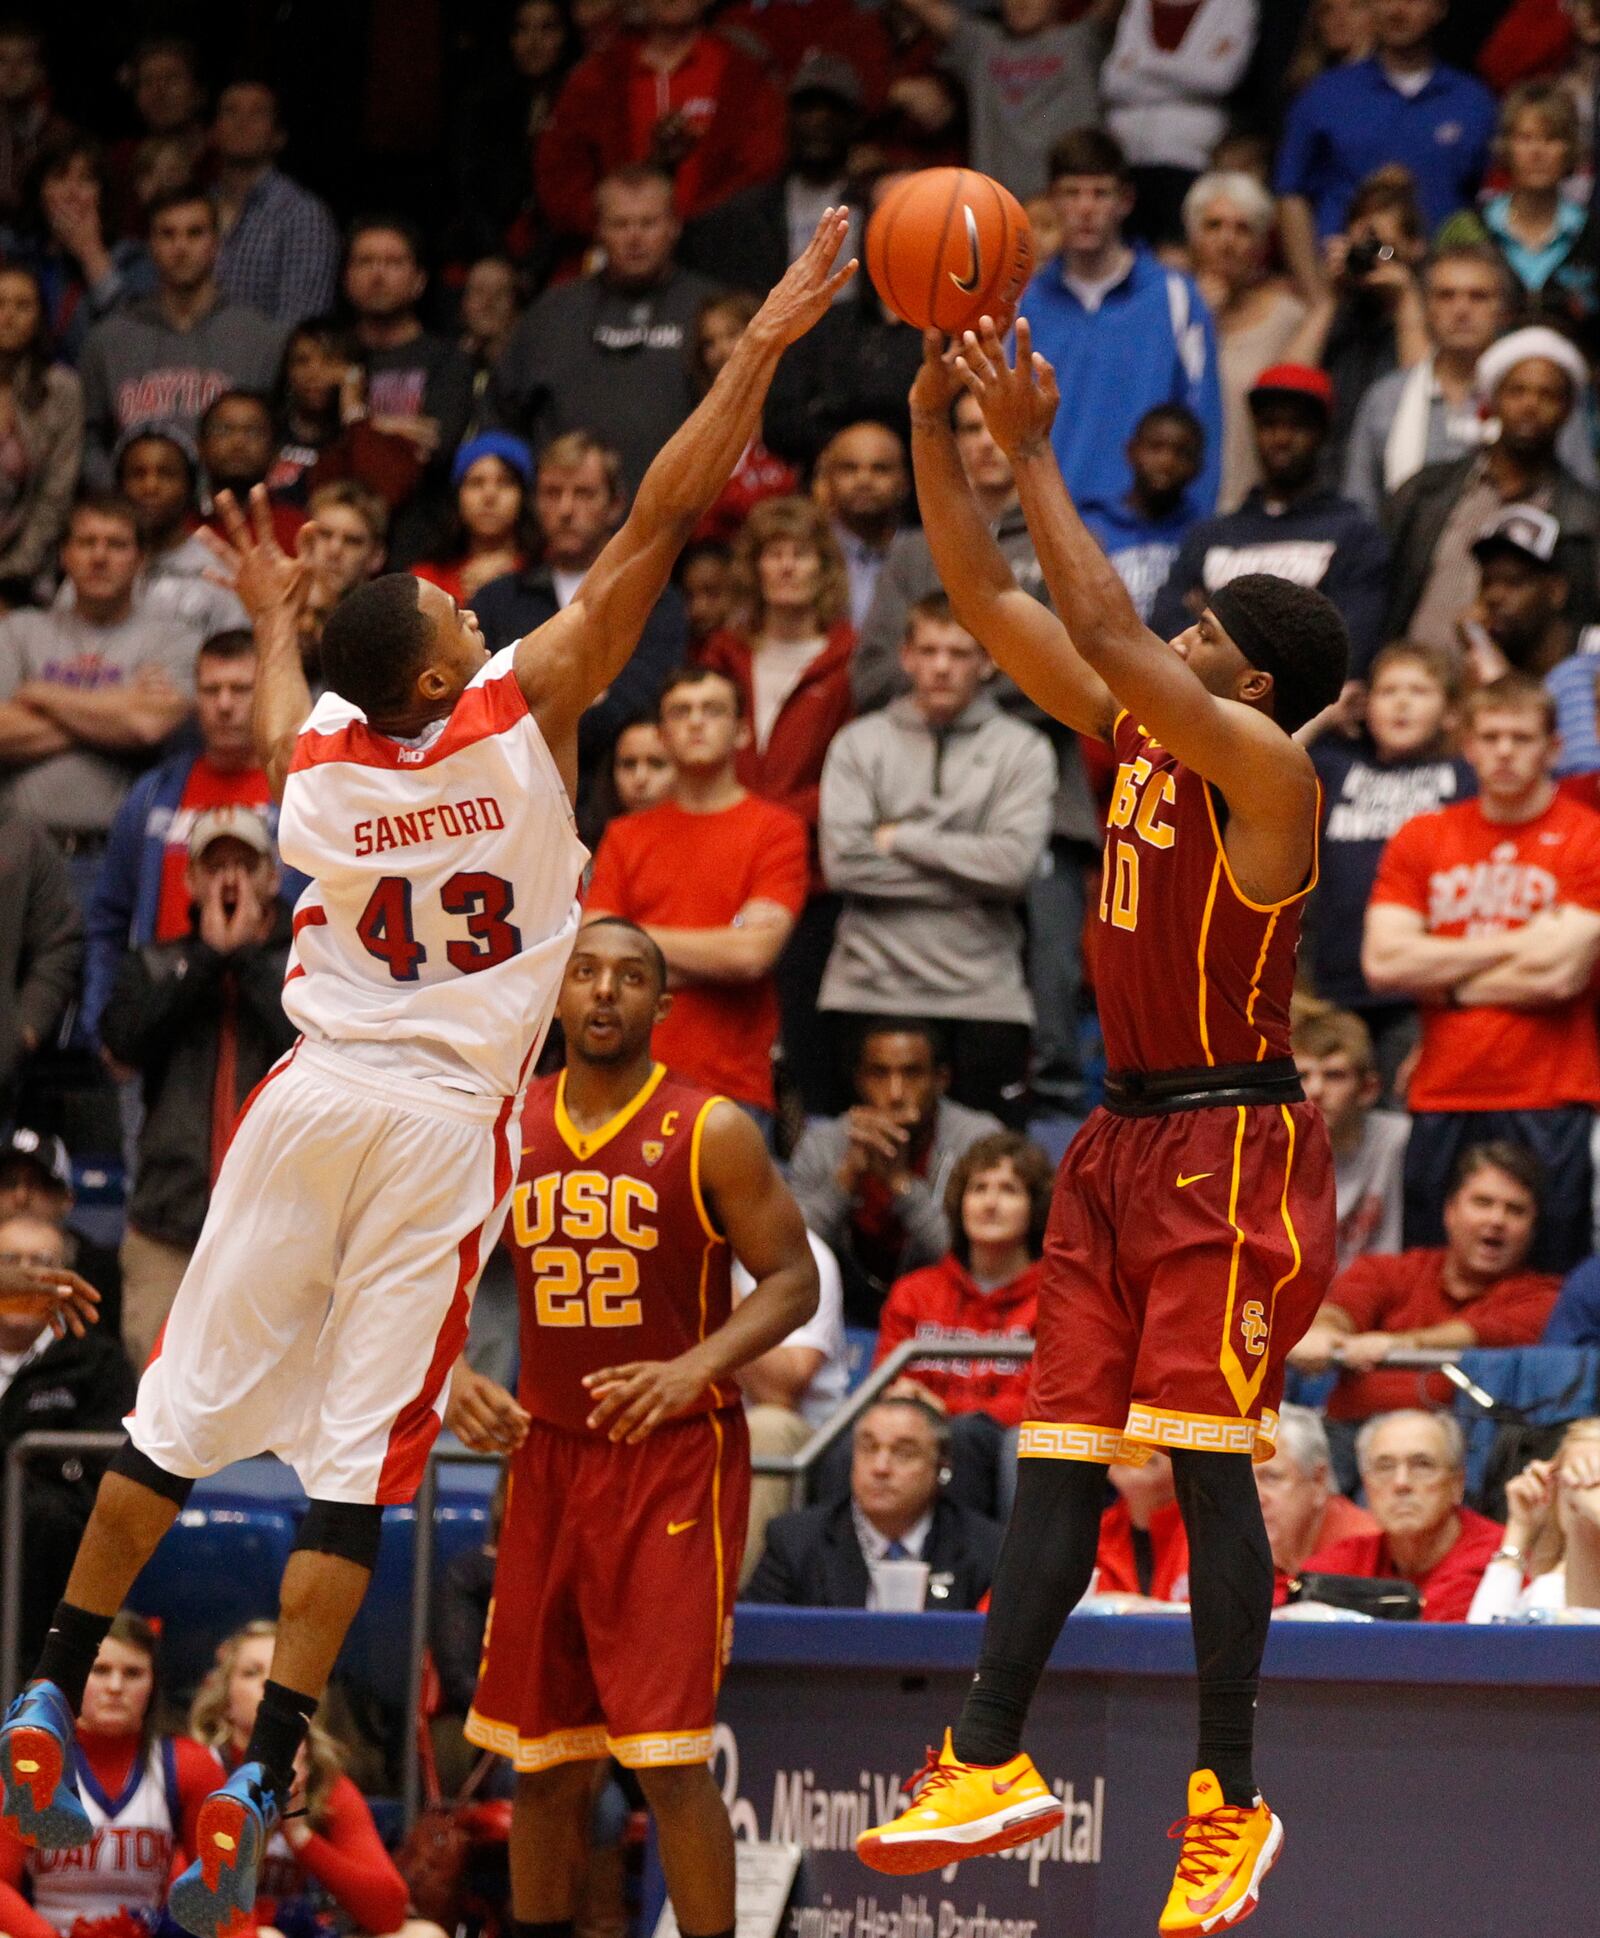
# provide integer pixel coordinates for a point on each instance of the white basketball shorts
(328, 1296)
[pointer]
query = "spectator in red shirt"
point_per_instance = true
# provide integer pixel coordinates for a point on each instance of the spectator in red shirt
(673, 94)
(986, 1286)
(1472, 1291)
(1143, 1550)
(1300, 1504)
(1413, 1465)
(716, 877)
(1488, 914)
(491, 474)
(328, 1843)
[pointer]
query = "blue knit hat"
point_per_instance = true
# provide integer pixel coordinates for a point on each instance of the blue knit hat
(493, 444)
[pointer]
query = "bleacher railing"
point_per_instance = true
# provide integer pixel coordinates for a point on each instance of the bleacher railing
(31, 1446)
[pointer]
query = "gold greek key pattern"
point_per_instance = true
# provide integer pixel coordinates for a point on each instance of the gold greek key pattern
(530, 1755)
(1195, 1432)
(658, 1752)
(1045, 1440)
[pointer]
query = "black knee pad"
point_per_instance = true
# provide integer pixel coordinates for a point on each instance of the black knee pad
(138, 1467)
(349, 1529)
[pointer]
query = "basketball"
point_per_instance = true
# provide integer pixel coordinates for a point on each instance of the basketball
(948, 245)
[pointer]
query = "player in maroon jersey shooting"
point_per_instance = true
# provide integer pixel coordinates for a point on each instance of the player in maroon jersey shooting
(1191, 1234)
(630, 1485)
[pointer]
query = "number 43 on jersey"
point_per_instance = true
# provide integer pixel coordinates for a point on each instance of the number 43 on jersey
(485, 902)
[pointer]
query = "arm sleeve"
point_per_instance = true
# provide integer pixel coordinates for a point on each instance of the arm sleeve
(1498, 1593)
(1517, 1321)
(1576, 1318)
(923, 1221)
(875, 675)
(261, 973)
(608, 879)
(848, 813)
(1580, 880)
(347, 1858)
(1297, 148)
(152, 997)
(1363, 464)
(783, 869)
(998, 863)
(1403, 868)
(18, 1919)
(813, 1180)
(895, 1322)
(54, 938)
(55, 483)
(310, 281)
(1362, 1292)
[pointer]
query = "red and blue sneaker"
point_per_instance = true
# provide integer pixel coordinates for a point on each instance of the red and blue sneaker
(38, 1795)
(216, 1896)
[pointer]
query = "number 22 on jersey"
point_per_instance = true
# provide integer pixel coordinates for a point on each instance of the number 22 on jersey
(597, 1285)
(1137, 806)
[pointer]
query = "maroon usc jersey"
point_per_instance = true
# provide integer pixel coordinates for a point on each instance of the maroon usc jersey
(616, 1254)
(1189, 972)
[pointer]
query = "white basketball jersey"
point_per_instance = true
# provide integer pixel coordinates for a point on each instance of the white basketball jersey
(444, 873)
(126, 1864)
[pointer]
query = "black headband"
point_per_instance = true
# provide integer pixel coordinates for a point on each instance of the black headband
(1233, 612)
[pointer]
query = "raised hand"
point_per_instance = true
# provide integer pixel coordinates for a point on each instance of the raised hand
(1018, 401)
(250, 560)
(938, 382)
(809, 285)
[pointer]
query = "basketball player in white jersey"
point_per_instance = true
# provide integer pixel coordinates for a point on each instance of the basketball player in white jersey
(429, 796)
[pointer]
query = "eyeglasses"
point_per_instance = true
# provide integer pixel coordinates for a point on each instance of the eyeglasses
(1421, 1466)
(45, 1261)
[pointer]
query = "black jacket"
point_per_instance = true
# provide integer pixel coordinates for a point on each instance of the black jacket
(855, 364)
(813, 1559)
(41, 940)
(513, 605)
(73, 1386)
(1415, 518)
(165, 1019)
(743, 242)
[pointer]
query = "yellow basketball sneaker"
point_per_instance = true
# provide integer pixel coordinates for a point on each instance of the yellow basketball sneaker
(962, 1810)
(1227, 1851)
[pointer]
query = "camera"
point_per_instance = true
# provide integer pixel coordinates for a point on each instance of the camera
(1364, 255)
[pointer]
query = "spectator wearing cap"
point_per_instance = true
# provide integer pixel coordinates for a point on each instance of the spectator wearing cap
(1289, 524)
(89, 689)
(675, 94)
(201, 1019)
(1401, 104)
(157, 470)
(36, 1178)
(65, 1385)
(141, 894)
(1300, 1500)
(1413, 1468)
(419, 386)
(164, 358)
(1429, 413)
(1026, 76)
(1518, 621)
(1487, 914)
(41, 945)
(611, 353)
(1123, 331)
(280, 249)
(1531, 381)
(578, 502)
(490, 475)
(748, 240)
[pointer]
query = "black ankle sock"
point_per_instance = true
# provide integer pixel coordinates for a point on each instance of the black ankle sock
(1230, 1606)
(561, 1928)
(280, 1728)
(69, 1650)
(1045, 1567)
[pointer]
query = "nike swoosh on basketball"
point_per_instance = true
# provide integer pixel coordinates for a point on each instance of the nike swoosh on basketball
(968, 283)
(682, 1527)
(1193, 1178)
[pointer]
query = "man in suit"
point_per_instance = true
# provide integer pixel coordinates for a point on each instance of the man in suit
(823, 1557)
(748, 241)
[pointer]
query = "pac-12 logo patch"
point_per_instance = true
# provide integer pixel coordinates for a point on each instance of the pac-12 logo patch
(653, 1151)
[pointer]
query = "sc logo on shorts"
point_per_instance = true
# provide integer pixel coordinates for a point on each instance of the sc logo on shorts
(1253, 1325)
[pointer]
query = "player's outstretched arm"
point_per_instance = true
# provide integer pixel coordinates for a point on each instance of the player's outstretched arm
(273, 588)
(569, 661)
(763, 1226)
(1021, 636)
(1262, 774)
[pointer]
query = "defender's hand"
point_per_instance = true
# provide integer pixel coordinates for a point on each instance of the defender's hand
(1018, 400)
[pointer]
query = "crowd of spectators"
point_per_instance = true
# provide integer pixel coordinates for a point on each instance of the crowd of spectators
(1321, 283)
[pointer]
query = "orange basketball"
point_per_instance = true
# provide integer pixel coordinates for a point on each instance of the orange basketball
(947, 246)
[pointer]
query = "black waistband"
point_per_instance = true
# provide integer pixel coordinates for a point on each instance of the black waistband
(1152, 1093)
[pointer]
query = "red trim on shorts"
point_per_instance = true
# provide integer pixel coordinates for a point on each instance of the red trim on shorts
(416, 1426)
(481, 712)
